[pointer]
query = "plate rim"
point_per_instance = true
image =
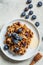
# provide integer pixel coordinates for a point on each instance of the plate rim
(36, 30)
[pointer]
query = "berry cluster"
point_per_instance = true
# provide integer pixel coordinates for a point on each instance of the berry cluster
(30, 6)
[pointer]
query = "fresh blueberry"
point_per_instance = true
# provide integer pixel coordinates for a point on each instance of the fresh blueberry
(26, 9)
(37, 24)
(15, 35)
(28, 1)
(15, 41)
(33, 17)
(19, 30)
(16, 49)
(30, 6)
(6, 47)
(27, 16)
(9, 35)
(39, 4)
(23, 14)
(30, 12)
(20, 38)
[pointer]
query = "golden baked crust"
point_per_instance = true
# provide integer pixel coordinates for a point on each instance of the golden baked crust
(26, 34)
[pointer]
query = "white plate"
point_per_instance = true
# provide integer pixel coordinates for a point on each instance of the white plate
(33, 48)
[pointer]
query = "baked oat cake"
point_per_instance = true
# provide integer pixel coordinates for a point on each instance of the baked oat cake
(18, 38)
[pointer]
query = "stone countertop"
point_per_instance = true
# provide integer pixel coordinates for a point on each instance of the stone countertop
(10, 10)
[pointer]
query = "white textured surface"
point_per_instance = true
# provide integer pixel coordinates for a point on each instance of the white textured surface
(10, 10)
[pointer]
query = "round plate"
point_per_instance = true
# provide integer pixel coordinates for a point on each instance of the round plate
(34, 45)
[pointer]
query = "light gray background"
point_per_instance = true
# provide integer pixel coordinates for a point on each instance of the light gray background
(10, 10)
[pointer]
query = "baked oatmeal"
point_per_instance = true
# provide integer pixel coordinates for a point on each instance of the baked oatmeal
(18, 38)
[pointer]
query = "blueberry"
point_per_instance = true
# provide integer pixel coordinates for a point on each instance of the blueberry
(16, 49)
(30, 12)
(19, 30)
(28, 1)
(15, 41)
(27, 16)
(9, 35)
(26, 9)
(37, 24)
(23, 14)
(20, 38)
(30, 6)
(33, 17)
(15, 35)
(6, 47)
(39, 4)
